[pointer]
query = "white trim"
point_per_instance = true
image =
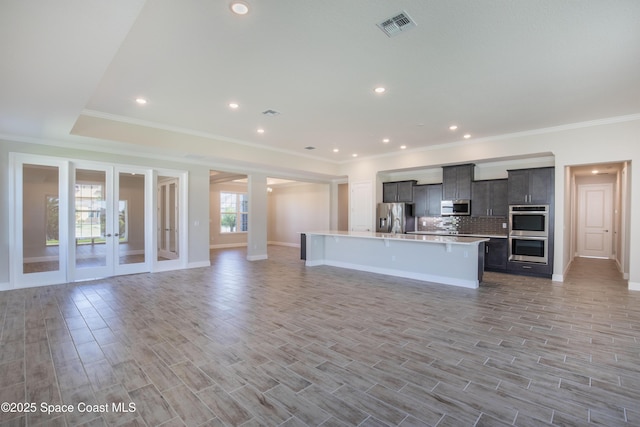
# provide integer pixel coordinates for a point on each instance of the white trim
(228, 245)
(5, 286)
(256, 257)
(292, 245)
(199, 264)
(473, 284)
(557, 278)
(634, 286)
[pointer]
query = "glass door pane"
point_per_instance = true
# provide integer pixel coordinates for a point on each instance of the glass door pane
(40, 219)
(92, 231)
(130, 224)
(168, 218)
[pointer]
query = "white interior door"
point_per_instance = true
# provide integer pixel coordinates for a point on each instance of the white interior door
(595, 214)
(109, 217)
(38, 221)
(361, 203)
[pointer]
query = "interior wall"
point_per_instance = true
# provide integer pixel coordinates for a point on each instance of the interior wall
(216, 238)
(293, 209)
(343, 207)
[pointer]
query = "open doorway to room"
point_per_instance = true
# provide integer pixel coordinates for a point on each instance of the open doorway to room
(292, 207)
(599, 212)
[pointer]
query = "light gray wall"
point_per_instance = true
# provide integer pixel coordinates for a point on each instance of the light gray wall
(295, 209)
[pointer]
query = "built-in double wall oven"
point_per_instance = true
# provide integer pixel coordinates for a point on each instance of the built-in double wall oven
(529, 233)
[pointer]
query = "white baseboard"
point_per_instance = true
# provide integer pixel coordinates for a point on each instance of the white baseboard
(199, 264)
(291, 245)
(256, 257)
(5, 287)
(634, 286)
(228, 245)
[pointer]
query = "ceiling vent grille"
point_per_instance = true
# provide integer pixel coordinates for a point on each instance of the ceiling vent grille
(270, 113)
(397, 24)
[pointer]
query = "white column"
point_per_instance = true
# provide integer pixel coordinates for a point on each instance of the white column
(257, 235)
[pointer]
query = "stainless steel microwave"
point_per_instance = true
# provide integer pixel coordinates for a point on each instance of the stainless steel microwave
(455, 207)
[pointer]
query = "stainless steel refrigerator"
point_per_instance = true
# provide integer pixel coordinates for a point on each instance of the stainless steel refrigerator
(395, 218)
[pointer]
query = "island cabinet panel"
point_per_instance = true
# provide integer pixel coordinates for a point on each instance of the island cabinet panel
(399, 191)
(426, 199)
(495, 255)
(456, 181)
(489, 198)
(531, 186)
(450, 260)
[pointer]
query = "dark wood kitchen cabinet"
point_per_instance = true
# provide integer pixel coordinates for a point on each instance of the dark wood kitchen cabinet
(398, 191)
(489, 198)
(531, 186)
(456, 181)
(426, 199)
(496, 252)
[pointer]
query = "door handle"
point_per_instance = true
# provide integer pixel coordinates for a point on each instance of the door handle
(606, 231)
(108, 235)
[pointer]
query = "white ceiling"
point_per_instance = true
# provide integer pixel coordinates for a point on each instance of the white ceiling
(492, 67)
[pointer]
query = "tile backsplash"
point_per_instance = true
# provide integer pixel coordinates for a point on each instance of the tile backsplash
(492, 226)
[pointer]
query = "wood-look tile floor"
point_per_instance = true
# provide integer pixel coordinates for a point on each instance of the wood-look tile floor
(272, 342)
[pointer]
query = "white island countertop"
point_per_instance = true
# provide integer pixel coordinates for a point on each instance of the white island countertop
(429, 238)
(451, 260)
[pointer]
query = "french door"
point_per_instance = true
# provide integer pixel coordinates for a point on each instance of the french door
(108, 221)
(79, 220)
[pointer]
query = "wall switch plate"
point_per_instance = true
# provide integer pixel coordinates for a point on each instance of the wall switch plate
(504, 225)
(424, 223)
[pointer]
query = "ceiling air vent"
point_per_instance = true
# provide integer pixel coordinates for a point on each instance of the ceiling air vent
(270, 113)
(397, 24)
(309, 148)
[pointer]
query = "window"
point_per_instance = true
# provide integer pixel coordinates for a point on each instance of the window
(234, 212)
(90, 213)
(52, 234)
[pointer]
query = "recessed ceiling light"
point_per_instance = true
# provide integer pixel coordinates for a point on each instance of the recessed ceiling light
(141, 101)
(379, 89)
(260, 130)
(403, 147)
(239, 8)
(467, 136)
(354, 155)
(233, 105)
(453, 127)
(386, 140)
(335, 150)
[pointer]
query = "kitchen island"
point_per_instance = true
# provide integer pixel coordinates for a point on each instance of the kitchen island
(449, 260)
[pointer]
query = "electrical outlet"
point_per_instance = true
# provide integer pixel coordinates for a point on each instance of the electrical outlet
(504, 225)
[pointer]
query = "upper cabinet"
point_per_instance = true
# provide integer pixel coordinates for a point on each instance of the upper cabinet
(489, 198)
(426, 200)
(531, 186)
(399, 191)
(456, 182)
